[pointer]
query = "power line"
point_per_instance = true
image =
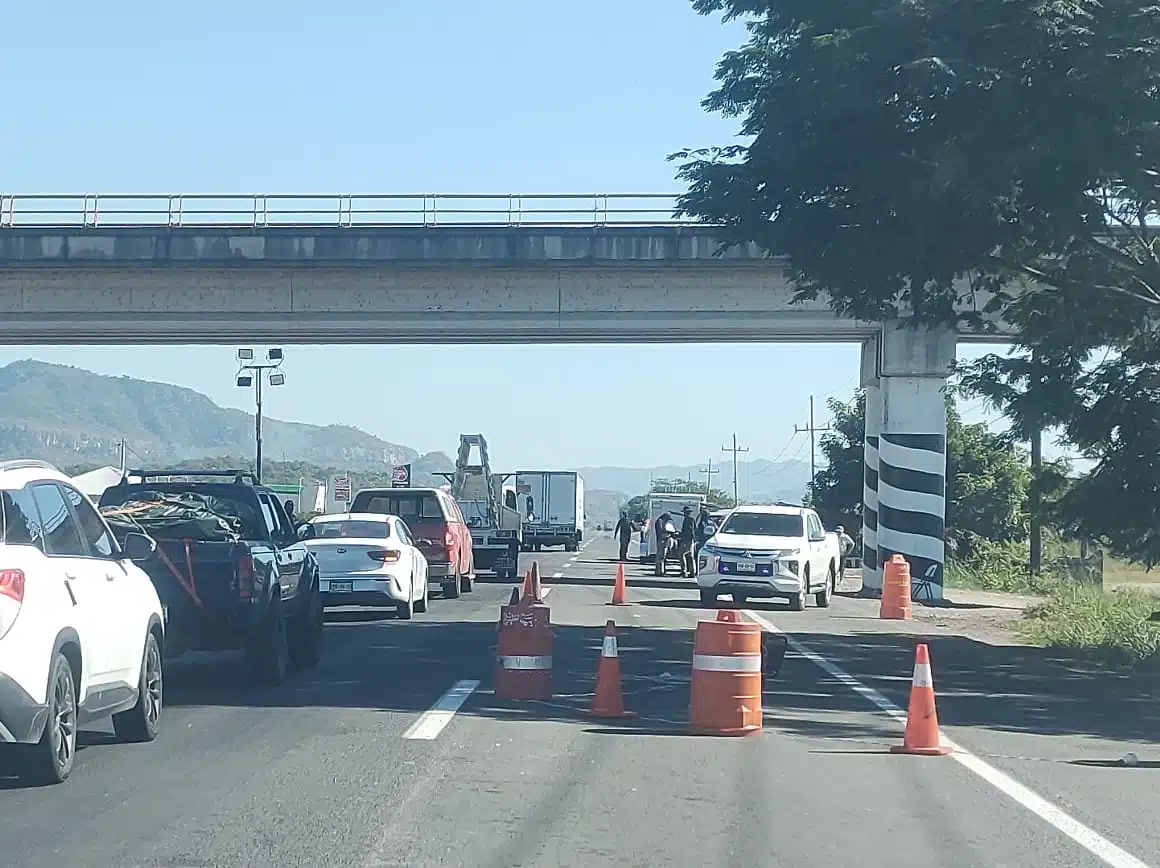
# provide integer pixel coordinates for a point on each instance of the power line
(709, 471)
(735, 449)
(811, 429)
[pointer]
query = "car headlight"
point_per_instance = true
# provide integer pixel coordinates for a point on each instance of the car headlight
(710, 551)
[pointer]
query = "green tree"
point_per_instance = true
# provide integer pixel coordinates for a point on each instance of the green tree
(987, 479)
(946, 161)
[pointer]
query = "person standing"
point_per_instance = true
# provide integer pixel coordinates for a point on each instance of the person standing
(686, 540)
(624, 532)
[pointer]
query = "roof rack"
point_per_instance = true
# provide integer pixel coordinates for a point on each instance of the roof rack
(239, 477)
(26, 464)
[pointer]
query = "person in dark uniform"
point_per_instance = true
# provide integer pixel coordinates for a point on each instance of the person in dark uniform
(686, 539)
(624, 531)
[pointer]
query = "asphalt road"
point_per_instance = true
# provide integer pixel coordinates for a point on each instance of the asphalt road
(327, 770)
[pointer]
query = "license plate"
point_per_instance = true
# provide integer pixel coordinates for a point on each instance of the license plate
(746, 567)
(341, 587)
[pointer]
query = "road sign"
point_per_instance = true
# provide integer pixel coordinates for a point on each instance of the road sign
(342, 489)
(401, 476)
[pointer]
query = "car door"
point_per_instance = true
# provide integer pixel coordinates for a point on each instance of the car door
(93, 614)
(418, 562)
(283, 553)
(816, 534)
(458, 525)
(122, 589)
(293, 551)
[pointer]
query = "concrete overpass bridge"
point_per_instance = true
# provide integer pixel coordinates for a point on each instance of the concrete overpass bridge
(420, 269)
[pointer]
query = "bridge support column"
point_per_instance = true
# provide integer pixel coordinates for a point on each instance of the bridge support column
(912, 366)
(871, 385)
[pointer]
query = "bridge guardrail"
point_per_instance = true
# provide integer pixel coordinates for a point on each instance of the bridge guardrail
(338, 210)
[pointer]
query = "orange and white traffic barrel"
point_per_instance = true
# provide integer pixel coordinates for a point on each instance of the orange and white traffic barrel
(725, 697)
(524, 652)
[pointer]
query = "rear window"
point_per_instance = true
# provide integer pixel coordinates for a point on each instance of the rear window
(349, 528)
(411, 508)
(764, 524)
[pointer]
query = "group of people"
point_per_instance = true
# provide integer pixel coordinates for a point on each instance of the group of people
(694, 533)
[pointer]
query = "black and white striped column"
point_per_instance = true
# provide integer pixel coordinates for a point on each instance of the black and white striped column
(912, 491)
(871, 572)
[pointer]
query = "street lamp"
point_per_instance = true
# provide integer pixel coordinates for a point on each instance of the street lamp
(251, 373)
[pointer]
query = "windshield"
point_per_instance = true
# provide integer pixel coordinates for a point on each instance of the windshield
(764, 524)
(347, 528)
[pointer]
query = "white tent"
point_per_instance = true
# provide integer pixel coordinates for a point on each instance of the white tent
(96, 481)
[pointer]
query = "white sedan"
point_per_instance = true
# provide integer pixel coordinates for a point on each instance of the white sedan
(368, 559)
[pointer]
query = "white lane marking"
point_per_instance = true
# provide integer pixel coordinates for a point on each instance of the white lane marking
(557, 575)
(432, 721)
(1089, 839)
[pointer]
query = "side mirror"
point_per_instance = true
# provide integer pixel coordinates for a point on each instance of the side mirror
(138, 547)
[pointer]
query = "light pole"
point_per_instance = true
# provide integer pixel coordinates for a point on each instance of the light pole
(251, 373)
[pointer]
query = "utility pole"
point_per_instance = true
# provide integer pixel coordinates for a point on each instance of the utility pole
(709, 471)
(735, 449)
(812, 430)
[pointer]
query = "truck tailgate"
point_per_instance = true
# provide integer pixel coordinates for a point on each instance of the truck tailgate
(197, 579)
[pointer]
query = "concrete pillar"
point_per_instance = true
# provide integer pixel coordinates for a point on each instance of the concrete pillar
(913, 365)
(870, 384)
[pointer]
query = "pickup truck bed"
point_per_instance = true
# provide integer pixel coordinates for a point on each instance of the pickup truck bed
(228, 569)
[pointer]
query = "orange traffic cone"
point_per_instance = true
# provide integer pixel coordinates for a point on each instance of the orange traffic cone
(515, 600)
(922, 735)
(537, 587)
(607, 700)
(526, 591)
(620, 589)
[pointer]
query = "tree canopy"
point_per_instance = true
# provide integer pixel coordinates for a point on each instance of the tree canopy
(969, 161)
(987, 479)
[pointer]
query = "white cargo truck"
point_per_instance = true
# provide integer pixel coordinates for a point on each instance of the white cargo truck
(658, 505)
(552, 505)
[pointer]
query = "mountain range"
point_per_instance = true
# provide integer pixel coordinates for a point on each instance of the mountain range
(77, 420)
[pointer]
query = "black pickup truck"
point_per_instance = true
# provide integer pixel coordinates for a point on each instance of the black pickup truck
(229, 567)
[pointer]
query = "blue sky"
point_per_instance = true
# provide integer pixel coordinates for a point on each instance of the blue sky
(456, 96)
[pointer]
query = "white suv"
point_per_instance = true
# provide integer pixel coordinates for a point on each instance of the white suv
(778, 551)
(81, 627)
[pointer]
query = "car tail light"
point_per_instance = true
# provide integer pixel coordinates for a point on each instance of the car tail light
(12, 584)
(245, 573)
(384, 556)
(448, 540)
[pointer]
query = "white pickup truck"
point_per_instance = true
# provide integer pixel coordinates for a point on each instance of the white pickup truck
(780, 551)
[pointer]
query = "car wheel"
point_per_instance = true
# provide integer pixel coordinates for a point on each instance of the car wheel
(142, 722)
(270, 653)
(822, 597)
(406, 610)
(739, 599)
(466, 583)
(797, 602)
(51, 759)
(708, 599)
(308, 632)
(451, 587)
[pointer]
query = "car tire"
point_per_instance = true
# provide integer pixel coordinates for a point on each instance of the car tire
(709, 599)
(142, 722)
(797, 603)
(466, 582)
(421, 603)
(307, 634)
(451, 587)
(50, 760)
(269, 653)
(822, 598)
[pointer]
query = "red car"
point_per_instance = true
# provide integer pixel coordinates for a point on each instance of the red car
(437, 525)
